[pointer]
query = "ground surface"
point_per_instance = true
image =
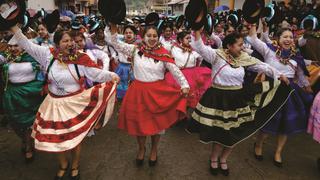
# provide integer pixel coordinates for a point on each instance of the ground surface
(110, 156)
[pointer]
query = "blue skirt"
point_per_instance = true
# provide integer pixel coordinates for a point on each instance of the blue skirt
(293, 116)
(126, 76)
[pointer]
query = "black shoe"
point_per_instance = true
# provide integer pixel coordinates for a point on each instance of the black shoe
(224, 172)
(139, 162)
(61, 169)
(76, 177)
(318, 163)
(258, 157)
(277, 163)
(153, 163)
(213, 171)
(29, 160)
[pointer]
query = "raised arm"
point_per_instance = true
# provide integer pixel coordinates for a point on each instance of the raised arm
(122, 47)
(39, 53)
(217, 40)
(265, 68)
(257, 44)
(206, 52)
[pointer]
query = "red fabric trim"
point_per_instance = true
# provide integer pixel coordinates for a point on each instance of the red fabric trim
(50, 124)
(160, 54)
(59, 138)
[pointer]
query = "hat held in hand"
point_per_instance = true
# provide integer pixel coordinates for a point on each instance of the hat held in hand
(11, 12)
(112, 10)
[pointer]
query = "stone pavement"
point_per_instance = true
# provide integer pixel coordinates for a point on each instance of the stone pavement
(110, 156)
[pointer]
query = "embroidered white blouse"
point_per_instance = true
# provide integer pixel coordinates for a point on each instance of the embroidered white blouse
(19, 72)
(229, 76)
(97, 54)
(147, 69)
(184, 59)
(271, 59)
(62, 78)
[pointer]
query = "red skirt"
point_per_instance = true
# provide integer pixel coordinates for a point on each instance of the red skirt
(149, 108)
(199, 79)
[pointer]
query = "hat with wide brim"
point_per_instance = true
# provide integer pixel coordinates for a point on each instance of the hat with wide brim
(252, 10)
(112, 10)
(233, 19)
(194, 10)
(13, 13)
(179, 21)
(152, 19)
(209, 26)
(52, 20)
(309, 20)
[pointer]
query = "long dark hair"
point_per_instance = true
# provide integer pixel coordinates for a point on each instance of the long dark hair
(148, 28)
(181, 35)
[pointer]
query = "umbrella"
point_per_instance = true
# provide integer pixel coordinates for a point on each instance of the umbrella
(68, 13)
(221, 8)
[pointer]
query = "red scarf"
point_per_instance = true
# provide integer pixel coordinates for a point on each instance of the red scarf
(82, 59)
(157, 53)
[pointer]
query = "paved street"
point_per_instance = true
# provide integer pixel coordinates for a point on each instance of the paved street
(110, 156)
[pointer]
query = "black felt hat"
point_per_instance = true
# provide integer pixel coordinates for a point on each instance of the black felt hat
(93, 25)
(233, 19)
(75, 25)
(309, 21)
(112, 10)
(209, 26)
(152, 19)
(252, 10)
(179, 21)
(52, 20)
(12, 12)
(268, 12)
(194, 9)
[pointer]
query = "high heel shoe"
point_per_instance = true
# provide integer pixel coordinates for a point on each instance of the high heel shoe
(153, 163)
(277, 163)
(139, 162)
(64, 173)
(224, 172)
(213, 171)
(258, 157)
(76, 177)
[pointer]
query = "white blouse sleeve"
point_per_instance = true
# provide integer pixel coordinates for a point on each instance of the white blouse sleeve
(2, 59)
(260, 46)
(217, 40)
(121, 47)
(206, 52)
(177, 74)
(302, 41)
(265, 68)
(97, 75)
(103, 57)
(265, 37)
(302, 80)
(39, 53)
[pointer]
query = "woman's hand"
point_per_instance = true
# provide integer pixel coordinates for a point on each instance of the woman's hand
(265, 26)
(115, 78)
(14, 28)
(198, 34)
(185, 91)
(252, 29)
(284, 79)
(308, 89)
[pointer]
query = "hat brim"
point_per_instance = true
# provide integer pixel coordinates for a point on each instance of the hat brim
(13, 16)
(112, 10)
(252, 10)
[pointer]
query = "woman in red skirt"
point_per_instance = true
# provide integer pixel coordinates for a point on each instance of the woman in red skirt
(150, 105)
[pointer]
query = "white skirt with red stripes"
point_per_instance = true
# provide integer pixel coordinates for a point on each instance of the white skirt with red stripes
(63, 122)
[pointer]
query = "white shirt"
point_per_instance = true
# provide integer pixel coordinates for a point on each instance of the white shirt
(19, 72)
(63, 78)
(229, 76)
(146, 69)
(97, 54)
(185, 59)
(271, 59)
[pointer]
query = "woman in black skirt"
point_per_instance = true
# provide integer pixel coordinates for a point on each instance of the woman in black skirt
(229, 112)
